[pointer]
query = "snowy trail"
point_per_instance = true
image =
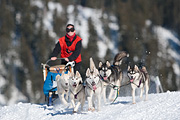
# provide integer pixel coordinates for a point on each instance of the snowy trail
(164, 106)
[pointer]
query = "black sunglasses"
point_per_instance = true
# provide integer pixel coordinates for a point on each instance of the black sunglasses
(70, 29)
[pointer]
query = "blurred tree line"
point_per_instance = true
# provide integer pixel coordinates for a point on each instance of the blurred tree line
(20, 32)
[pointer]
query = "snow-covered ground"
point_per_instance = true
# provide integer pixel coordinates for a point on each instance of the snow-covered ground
(163, 106)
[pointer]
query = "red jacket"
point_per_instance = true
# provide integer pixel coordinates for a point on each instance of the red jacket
(66, 51)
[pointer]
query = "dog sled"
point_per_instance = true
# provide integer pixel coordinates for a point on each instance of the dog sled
(50, 70)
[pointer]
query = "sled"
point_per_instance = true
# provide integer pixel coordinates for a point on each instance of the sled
(49, 74)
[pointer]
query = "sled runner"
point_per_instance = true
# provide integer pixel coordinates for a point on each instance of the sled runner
(50, 71)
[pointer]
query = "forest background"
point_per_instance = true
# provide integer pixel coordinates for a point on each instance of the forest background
(29, 30)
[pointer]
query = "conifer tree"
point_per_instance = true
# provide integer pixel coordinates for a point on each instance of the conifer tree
(6, 27)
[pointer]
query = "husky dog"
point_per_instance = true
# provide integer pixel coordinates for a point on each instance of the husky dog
(139, 78)
(63, 86)
(112, 75)
(93, 87)
(77, 91)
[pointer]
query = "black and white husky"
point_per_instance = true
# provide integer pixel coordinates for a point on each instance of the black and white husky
(139, 78)
(93, 87)
(76, 91)
(112, 75)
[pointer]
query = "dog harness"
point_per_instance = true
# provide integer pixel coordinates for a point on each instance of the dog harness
(76, 94)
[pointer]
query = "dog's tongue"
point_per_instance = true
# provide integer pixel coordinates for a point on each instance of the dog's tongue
(131, 80)
(94, 87)
(105, 78)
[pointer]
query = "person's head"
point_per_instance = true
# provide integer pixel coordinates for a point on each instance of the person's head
(70, 30)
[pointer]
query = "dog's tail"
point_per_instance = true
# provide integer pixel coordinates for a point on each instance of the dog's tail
(92, 65)
(118, 58)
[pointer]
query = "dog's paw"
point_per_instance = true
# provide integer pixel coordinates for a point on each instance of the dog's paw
(66, 104)
(91, 109)
(145, 99)
(134, 103)
(111, 100)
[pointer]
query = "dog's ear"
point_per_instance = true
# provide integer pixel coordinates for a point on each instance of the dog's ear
(128, 67)
(108, 64)
(92, 65)
(81, 81)
(96, 71)
(78, 74)
(100, 64)
(88, 72)
(136, 67)
(58, 77)
(144, 69)
(71, 74)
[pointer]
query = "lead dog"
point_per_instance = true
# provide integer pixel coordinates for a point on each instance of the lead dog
(93, 87)
(112, 75)
(139, 78)
(77, 91)
(63, 86)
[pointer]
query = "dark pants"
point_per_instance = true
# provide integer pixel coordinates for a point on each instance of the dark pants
(77, 67)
